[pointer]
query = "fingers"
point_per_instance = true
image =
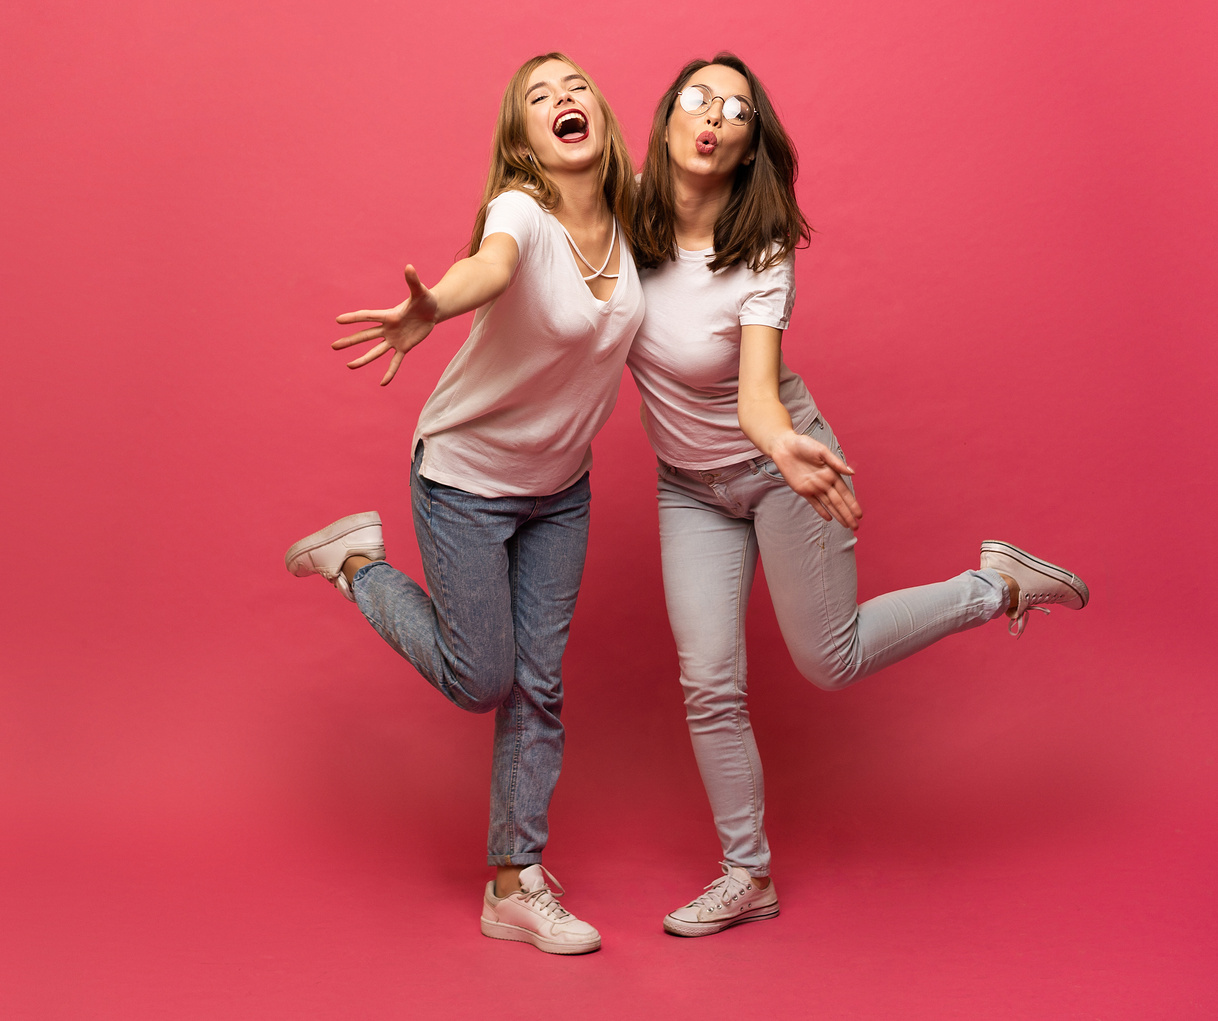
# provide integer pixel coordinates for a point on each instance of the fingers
(816, 452)
(831, 498)
(370, 356)
(359, 338)
(845, 512)
(819, 508)
(842, 504)
(365, 315)
(837, 464)
(417, 290)
(393, 367)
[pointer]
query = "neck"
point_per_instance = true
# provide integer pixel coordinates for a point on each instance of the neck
(581, 199)
(699, 201)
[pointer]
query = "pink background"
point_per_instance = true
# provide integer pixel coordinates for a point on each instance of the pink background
(224, 796)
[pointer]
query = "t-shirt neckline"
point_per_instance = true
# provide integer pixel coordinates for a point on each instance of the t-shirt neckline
(600, 304)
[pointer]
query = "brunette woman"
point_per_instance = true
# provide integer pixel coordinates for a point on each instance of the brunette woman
(499, 481)
(749, 467)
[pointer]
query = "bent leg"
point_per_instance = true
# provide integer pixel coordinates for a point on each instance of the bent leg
(709, 559)
(810, 569)
(460, 638)
(546, 557)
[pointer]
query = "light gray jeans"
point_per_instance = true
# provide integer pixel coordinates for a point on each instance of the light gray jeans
(713, 524)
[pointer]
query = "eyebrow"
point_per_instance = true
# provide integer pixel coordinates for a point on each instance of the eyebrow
(703, 85)
(565, 78)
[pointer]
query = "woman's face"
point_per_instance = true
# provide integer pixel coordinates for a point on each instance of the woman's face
(706, 144)
(563, 120)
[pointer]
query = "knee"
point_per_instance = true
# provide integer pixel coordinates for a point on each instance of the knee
(829, 672)
(707, 701)
(482, 690)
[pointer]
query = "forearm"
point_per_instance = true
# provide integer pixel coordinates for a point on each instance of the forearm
(765, 421)
(467, 285)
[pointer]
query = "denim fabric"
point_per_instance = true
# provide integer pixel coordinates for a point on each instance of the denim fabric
(713, 525)
(503, 574)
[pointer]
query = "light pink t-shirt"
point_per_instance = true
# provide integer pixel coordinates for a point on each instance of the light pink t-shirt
(515, 411)
(686, 356)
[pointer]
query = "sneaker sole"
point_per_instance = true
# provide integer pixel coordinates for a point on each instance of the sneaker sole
(675, 927)
(501, 930)
(1041, 566)
(336, 530)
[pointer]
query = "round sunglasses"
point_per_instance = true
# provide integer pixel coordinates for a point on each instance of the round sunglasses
(696, 99)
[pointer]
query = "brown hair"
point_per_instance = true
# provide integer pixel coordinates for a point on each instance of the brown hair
(761, 224)
(511, 169)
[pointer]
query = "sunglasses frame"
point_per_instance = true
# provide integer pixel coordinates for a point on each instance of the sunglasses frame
(708, 100)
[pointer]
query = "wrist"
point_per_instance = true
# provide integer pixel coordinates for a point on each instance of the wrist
(780, 444)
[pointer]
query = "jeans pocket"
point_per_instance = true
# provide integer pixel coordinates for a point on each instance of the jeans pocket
(816, 429)
(770, 470)
(819, 430)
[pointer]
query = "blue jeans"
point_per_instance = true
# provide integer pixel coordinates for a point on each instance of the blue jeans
(713, 525)
(503, 575)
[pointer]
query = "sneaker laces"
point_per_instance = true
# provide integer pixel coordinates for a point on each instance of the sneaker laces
(545, 900)
(1019, 622)
(722, 891)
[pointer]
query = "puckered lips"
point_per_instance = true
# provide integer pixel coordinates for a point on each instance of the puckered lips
(571, 125)
(706, 142)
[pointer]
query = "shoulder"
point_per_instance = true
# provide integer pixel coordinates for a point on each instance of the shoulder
(768, 294)
(516, 213)
(778, 277)
(782, 269)
(516, 201)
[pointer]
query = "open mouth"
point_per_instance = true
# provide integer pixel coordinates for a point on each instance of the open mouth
(571, 126)
(706, 142)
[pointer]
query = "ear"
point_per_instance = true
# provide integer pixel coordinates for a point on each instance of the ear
(749, 158)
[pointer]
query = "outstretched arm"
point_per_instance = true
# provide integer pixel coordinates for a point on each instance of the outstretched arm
(810, 468)
(469, 284)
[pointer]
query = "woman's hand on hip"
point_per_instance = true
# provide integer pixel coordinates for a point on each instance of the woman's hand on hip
(397, 330)
(819, 476)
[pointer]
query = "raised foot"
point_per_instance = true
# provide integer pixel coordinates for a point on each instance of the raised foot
(325, 551)
(1039, 581)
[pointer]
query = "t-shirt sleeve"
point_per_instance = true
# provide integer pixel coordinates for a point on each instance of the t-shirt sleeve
(770, 297)
(515, 214)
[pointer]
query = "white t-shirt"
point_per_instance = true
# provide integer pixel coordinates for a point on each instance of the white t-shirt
(686, 356)
(515, 411)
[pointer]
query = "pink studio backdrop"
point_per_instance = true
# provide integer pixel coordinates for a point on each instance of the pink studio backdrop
(224, 796)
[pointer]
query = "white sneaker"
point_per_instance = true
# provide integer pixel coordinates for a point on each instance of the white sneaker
(1038, 581)
(324, 552)
(729, 900)
(533, 915)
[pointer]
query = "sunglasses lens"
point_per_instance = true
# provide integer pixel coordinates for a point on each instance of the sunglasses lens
(693, 100)
(735, 109)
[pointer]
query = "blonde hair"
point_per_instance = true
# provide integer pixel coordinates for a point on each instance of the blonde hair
(511, 169)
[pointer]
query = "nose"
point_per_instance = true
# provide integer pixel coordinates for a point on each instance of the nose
(711, 116)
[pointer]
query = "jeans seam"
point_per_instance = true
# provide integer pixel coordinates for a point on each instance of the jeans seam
(739, 699)
(515, 709)
(824, 593)
(441, 599)
(948, 615)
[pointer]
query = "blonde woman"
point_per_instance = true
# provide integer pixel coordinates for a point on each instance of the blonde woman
(499, 480)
